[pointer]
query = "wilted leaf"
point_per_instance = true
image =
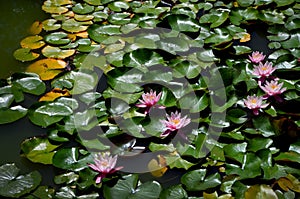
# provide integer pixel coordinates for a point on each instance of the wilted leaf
(53, 94)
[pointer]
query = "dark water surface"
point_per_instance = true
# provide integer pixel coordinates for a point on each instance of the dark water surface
(16, 17)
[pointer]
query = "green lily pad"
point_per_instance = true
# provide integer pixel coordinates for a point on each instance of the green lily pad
(183, 23)
(50, 25)
(283, 2)
(118, 6)
(219, 37)
(82, 8)
(71, 25)
(128, 188)
(68, 158)
(25, 54)
(93, 2)
(57, 38)
(55, 7)
(32, 85)
(174, 192)
(55, 52)
(8, 115)
(119, 18)
(6, 100)
(79, 17)
(245, 3)
(260, 191)
(292, 42)
(38, 150)
(14, 186)
(33, 42)
(45, 114)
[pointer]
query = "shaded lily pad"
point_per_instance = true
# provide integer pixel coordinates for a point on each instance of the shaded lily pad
(25, 54)
(33, 42)
(47, 68)
(55, 52)
(12, 185)
(8, 115)
(36, 28)
(38, 150)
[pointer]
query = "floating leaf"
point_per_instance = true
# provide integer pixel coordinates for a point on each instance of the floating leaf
(127, 188)
(283, 2)
(32, 85)
(71, 25)
(290, 156)
(14, 186)
(8, 115)
(82, 8)
(183, 23)
(32, 42)
(25, 54)
(174, 192)
(57, 38)
(38, 150)
(157, 168)
(36, 28)
(78, 17)
(51, 24)
(260, 191)
(50, 8)
(6, 100)
(54, 94)
(47, 68)
(55, 52)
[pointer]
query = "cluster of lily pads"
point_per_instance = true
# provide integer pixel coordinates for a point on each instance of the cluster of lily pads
(115, 80)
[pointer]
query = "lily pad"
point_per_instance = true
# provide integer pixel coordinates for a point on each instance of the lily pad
(57, 38)
(33, 42)
(83, 8)
(51, 24)
(71, 25)
(25, 54)
(54, 94)
(32, 85)
(47, 68)
(36, 28)
(55, 52)
(51, 8)
(14, 186)
(183, 23)
(38, 150)
(79, 17)
(8, 115)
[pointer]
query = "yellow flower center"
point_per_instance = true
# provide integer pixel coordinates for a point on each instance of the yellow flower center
(104, 164)
(176, 121)
(274, 86)
(150, 97)
(264, 68)
(253, 101)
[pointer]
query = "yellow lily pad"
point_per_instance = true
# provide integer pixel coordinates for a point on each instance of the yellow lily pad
(33, 42)
(73, 26)
(72, 37)
(36, 28)
(55, 52)
(79, 17)
(158, 168)
(64, 16)
(25, 54)
(47, 68)
(54, 94)
(59, 2)
(246, 37)
(84, 34)
(54, 7)
(51, 24)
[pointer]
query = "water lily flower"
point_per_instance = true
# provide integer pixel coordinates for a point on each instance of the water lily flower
(255, 103)
(174, 122)
(257, 57)
(105, 165)
(149, 100)
(272, 88)
(263, 70)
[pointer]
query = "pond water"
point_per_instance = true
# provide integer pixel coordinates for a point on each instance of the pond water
(16, 18)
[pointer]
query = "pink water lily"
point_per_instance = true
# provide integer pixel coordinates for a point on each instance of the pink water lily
(272, 88)
(105, 165)
(174, 122)
(255, 103)
(263, 70)
(257, 57)
(149, 100)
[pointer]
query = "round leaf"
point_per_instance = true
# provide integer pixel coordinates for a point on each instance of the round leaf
(55, 52)
(33, 42)
(71, 25)
(57, 38)
(25, 54)
(50, 25)
(8, 115)
(31, 85)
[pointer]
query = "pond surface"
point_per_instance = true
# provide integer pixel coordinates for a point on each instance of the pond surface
(16, 17)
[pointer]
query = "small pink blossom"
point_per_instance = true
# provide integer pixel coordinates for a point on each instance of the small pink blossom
(263, 70)
(255, 103)
(105, 165)
(272, 88)
(174, 122)
(257, 57)
(149, 100)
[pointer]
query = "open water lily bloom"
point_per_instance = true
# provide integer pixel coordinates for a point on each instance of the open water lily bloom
(263, 70)
(255, 103)
(273, 88)
(257, 57)
(105, 165)
(149, 100)
(174, 122)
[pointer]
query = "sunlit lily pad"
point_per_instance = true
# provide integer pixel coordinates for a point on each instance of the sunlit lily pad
(25, 54)
(83, 8)
(57, 38)
(72, 25)
(38, 150)
(51, 24)
(55, 52)
(14, 186)
(54, 94)
(32, 42)
(48, 7)
(93, 2)
(47, 68)
(36, 28)
(79, 17)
